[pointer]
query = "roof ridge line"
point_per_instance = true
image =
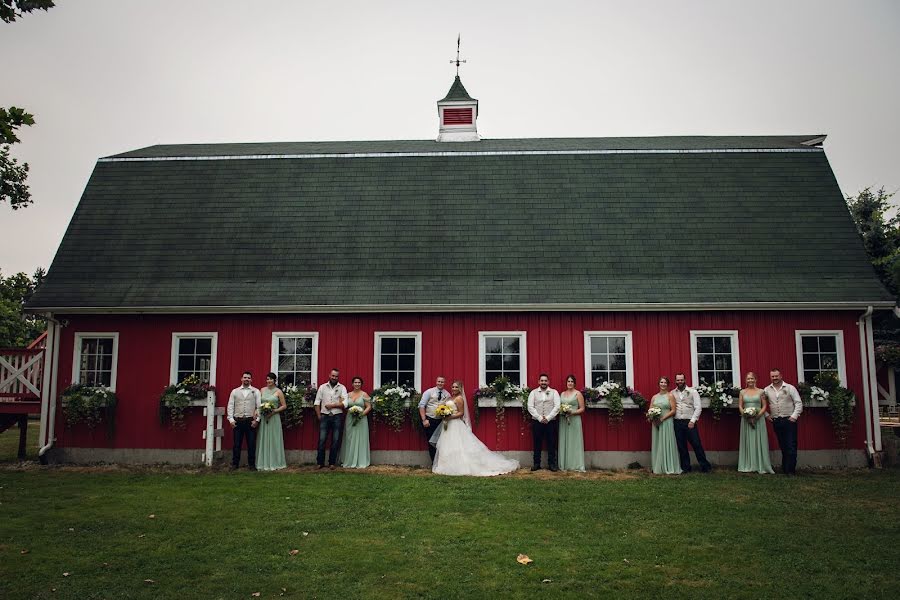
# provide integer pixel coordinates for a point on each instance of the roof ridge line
(448, 153)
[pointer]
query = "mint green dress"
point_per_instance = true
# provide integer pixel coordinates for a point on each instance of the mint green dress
(355, 449)
(753, 453)
(270, 440)
(571, 438)
(663, 451)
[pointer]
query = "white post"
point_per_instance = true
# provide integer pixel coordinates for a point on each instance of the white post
(210, 433)
(45, 385)
(864, 358)
(873, 384)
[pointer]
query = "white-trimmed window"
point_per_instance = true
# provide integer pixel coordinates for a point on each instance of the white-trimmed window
(398, 358)
(820, 351)
(295, 357)
(96, 359)
(715, 357)
(194, 353)
(502, 354)
(608, 356)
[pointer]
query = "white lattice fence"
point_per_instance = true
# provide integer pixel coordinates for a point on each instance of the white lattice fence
(20, 373)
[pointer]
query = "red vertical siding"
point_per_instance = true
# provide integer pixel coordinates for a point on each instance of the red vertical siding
(661, 343)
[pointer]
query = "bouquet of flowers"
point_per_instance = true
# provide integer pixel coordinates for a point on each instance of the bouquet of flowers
(357, 413)
(267, 408)
(654, 414)
(443, 411)
(750, 413)
(566, 411)
(296, 398)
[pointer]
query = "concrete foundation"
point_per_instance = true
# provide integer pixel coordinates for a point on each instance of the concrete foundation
(593, 460)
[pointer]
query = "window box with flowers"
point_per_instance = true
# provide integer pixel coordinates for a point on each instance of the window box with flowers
(175, 399)
(392, 403)
(500, 395)
(88, 405)
(718, 396)
(614, 397)
(827, 391)
(297, 398)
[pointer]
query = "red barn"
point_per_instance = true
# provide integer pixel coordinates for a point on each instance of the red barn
(611, 258)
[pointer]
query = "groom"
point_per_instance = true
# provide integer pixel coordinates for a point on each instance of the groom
(543, 406)
(431, 399)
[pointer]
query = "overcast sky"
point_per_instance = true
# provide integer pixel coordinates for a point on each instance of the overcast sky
(103, 77)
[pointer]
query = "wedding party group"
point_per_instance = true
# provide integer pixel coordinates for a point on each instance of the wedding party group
(673, 413)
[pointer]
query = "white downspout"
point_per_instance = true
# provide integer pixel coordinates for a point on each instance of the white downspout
(45, 379)
(873, 382)
(51, 420)
(864, 359)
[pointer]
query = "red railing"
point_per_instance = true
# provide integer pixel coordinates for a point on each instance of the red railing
(21, 370)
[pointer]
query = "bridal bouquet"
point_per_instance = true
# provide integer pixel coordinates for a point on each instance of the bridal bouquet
(443, 411)
(267, 408)
(566, 411)
(654, 414)
(750, 413)
(357, 413)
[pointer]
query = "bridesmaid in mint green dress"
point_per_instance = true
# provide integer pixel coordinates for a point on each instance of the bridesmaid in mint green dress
(571, 438)
(270, 441)
(753, 453)
(355, 449)
(663, 451)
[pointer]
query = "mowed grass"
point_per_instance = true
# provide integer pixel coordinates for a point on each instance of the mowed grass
(405, 533)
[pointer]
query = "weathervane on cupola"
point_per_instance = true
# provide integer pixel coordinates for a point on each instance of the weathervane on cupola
(457, 111)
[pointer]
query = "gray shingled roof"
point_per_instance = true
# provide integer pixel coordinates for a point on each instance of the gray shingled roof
(457, 92)
(625, 221)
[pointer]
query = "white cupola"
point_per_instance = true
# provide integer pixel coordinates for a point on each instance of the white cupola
(457, 113)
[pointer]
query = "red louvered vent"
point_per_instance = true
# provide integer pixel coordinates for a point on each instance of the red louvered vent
(457, 116)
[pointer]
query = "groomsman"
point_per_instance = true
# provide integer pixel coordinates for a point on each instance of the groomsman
(785, 407)
(543, 406)
(431, 399)
(329, 405)
(687, 413)
(243, 415)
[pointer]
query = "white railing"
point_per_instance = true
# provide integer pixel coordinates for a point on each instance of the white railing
(21, 371)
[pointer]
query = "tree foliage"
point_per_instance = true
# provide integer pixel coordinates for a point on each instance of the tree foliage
(13, 188)
(880, 234)
(10, 10)
(18, 329)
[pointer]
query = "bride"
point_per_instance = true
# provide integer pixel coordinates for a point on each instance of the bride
(459, 452)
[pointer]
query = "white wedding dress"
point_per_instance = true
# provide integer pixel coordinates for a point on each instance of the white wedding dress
(460, 452)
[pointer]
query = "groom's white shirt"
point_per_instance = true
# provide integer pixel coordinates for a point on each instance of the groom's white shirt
(543, 404)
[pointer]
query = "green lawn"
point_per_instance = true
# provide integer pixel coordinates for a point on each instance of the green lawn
(401, 533)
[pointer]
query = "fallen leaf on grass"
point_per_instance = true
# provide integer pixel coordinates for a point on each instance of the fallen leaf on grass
(104, 564)
(65, 574)
(24, 551)
(142, 535)
(294, 552)
(305, 533)
(523, 559)
(547, 581)
(255, 594)
(151, 516)
(150, 581)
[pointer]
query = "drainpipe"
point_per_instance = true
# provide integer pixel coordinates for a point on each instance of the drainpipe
(51, 417)
(873, 382)
(864, 359)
